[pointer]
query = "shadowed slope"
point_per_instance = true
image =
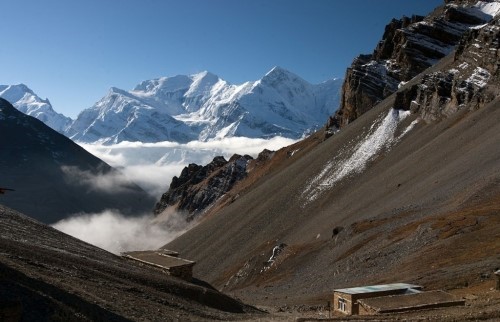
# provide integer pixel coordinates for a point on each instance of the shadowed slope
(438, 177)
(52, 276)
(54, 177)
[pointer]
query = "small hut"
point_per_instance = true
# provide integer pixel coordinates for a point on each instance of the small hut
(409, 302)
(345, 300)
(390, 298)
(167, 261)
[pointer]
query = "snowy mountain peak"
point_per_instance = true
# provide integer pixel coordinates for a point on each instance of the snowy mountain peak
(120, 92)
(279, 74)
(204, 106)
(164, 84)
(26, 101)
(202, 83)
(14, 93)
(204, 75)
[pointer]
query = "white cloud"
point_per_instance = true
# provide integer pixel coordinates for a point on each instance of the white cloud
(113, 181)
(116, 233)
(152, 165)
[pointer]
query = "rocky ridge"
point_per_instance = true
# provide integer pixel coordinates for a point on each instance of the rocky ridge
(199, 187)
(471, 81)
(408, 46)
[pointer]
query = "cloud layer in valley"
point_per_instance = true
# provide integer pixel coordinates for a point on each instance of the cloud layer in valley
(116, 233)
(152, 165)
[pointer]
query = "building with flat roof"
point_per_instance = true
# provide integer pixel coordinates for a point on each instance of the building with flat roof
(345, 300)
(167, 261)
(407, 302)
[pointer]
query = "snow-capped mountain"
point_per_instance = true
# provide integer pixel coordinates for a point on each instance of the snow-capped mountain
(204, 106)
(26, 101)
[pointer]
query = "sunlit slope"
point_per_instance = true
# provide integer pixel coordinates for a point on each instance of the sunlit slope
(393, 209)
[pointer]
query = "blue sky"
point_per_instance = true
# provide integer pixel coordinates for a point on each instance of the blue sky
(72, 52)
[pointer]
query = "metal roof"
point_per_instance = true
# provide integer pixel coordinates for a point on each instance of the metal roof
(378, 288)
(400, 303)
(157, 259)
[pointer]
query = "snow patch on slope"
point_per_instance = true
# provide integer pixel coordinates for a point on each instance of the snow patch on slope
(483, 9)
(489, 8)
(381, 137)
(479, 77)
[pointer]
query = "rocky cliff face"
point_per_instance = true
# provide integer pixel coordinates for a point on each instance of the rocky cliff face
(408, 47)
(472, 81)
(198, 186)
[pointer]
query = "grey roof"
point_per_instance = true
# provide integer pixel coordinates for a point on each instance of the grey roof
(158, 259)
(400, 303)
(161, 250)
(378, 288)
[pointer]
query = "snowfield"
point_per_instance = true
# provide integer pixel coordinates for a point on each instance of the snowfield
(345, 163)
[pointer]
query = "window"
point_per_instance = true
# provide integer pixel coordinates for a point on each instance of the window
(341, 304)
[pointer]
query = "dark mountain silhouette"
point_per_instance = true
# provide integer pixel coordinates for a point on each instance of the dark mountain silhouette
(54, 177)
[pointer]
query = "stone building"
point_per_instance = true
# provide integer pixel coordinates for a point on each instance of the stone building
(167, 261)
(390, 298)
(346, 300)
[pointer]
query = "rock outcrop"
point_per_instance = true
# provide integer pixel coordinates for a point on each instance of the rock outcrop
(198, 186)
(408, 47)
(471, 81)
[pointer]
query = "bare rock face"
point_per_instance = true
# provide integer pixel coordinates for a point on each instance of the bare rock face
(408, 47)
(198, 186)
(473, 79)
